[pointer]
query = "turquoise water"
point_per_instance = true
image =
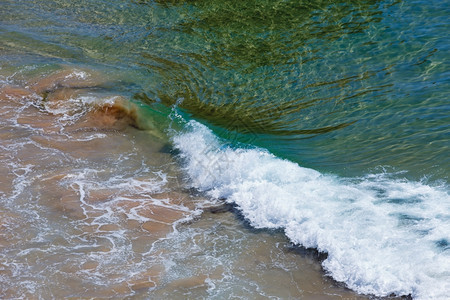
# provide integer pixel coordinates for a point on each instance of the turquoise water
(349, 98)
(340, 86)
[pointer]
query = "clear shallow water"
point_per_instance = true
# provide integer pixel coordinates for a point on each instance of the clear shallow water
(353, 93)
(283, 71)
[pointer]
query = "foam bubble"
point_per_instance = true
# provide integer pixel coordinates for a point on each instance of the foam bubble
(382, 235)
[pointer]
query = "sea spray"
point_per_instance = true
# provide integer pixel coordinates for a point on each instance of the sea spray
(382, 235)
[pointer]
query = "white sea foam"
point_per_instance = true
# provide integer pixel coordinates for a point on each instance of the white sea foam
(382, 235)
(78, 75)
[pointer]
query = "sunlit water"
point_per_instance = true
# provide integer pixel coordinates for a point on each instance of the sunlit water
(224, 149)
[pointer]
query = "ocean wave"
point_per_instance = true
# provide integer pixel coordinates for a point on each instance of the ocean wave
(382, 235)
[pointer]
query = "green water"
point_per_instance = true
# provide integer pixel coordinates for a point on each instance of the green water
(344, 87)
(348, 88)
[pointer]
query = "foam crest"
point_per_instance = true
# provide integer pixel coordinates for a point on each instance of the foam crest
(383, 235)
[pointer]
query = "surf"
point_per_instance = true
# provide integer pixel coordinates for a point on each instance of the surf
(382, 234)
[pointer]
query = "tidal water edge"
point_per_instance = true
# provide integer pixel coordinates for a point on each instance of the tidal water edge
(224, 149)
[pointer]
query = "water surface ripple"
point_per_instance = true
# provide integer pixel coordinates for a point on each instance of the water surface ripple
(97, 94)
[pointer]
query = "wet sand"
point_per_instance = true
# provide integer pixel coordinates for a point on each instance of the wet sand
(93, 206)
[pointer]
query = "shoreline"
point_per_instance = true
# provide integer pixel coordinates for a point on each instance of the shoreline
(150, 213)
